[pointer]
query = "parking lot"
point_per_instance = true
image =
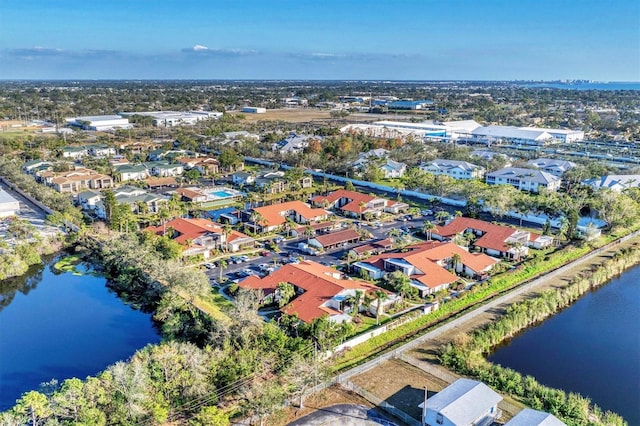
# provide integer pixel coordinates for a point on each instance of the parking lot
(239, 267)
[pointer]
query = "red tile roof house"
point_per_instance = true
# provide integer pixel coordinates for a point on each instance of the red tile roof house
(428, 264)
(274, 216)
(320, 290)
(356, 204)
(494, 240)
(335, 239)
(201, 236)
(375, 247)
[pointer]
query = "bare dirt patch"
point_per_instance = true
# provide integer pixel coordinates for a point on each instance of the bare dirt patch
(333, 395)
(400, 384)
(294, 115)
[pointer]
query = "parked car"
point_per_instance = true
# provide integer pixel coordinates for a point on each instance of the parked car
(265, 253)
(244, 258)
(426, 212)
(278, 240)
(209, 265)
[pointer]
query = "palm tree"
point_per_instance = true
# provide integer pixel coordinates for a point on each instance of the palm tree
(361, 206)
(442, 215)
(427, 229)
(309, 231)
(222, 264)
(257, 218)
(227, 230)
(289, 225)
(380, 296)
(456, 261)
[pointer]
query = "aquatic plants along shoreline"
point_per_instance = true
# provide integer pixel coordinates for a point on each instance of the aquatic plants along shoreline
(467, 354)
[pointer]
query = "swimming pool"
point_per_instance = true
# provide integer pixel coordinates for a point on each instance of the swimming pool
(222, 194)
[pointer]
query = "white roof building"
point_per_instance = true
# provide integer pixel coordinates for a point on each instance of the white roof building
(463, 403)
(99, 122)
(616, 183)
(470, 129)
(9, 206)
(524, 179)
(175, 118)
(528, 136)
(529, 417)
(550, 165)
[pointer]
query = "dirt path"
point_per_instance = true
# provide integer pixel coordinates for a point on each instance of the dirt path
(427, 351)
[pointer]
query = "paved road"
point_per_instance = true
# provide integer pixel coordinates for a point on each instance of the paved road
(344, 415)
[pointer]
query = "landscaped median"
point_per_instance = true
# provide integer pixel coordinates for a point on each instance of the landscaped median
(535, 267)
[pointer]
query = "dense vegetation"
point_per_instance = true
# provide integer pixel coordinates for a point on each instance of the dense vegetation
(244, 366)
(466, 355)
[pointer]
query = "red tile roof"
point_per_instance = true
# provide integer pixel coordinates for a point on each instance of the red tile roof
(320, 284)
(494, 236)
(190, 229)
(274, 215)
(424, 256)
(355, 199)
(338, 237)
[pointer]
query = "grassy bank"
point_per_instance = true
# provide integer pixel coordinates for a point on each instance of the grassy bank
(466, 355)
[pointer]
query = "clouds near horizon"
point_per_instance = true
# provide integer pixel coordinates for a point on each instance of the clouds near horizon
(372, 39)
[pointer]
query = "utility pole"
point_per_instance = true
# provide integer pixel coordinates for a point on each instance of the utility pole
(424, 407)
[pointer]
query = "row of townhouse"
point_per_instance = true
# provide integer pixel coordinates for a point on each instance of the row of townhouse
(545, 174)
(357, 204)
(202, 236)
(390, 168)
(433, 266)
(139, 200)
(75, 181)
(96, 151)
(269, 181)
(320, 291)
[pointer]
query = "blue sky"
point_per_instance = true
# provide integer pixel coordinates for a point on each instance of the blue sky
(321, 39)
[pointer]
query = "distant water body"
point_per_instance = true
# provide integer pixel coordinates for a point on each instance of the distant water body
(586, 86)
(592, 347)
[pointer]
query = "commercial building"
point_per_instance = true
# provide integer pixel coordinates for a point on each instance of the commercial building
(254, 110)
(99, 122)
(471, 131)
(175, 118)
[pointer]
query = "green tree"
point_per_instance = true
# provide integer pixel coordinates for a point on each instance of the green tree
(284, 293)
(35, 406)
(349, 186)
(210, 416)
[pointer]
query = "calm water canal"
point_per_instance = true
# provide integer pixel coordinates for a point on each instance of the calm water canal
(59, 325)
(592, 347)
